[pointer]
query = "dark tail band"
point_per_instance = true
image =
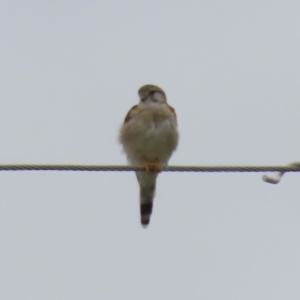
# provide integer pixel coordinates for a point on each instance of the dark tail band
(146, 210)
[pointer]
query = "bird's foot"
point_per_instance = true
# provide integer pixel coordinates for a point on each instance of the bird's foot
(153, 167)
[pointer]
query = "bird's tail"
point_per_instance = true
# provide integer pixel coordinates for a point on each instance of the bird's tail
(147, 191)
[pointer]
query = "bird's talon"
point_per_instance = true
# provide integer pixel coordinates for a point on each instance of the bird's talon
(152, 167)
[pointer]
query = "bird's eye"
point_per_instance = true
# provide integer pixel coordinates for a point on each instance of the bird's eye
(151, 93)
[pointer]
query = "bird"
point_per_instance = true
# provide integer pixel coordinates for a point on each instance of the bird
(149, 135)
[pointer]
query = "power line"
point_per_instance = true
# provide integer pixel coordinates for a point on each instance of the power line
(97, 168)
(294, 167)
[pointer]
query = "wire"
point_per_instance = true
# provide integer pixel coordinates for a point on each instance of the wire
(22, 167)
(293, 167)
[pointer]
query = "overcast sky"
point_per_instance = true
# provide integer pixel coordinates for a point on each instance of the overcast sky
(70, 71)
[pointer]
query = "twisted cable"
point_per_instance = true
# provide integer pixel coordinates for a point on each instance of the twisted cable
(24, 167)
(293, 167)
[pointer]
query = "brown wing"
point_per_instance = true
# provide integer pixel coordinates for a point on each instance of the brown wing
(172, 110)
(129, 114)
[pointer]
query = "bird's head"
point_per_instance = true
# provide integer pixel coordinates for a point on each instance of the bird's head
(152, 93)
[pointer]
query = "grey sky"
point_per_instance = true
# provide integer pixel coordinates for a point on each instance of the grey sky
(70, 71)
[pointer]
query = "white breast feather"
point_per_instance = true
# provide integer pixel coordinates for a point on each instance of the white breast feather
(150, 135)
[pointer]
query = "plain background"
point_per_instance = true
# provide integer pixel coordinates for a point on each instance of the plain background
(70, 71)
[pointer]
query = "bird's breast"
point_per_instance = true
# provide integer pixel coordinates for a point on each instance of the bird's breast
(151, 135)
(154, 114)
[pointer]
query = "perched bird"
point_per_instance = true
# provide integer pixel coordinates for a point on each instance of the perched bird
(149, 136)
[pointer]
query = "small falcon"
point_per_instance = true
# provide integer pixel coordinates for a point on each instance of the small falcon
(149, 136)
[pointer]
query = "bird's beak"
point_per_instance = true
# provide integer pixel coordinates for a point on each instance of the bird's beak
(143, 97)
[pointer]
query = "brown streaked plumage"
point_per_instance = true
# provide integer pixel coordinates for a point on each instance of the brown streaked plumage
(149, 136)
(128, 116)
